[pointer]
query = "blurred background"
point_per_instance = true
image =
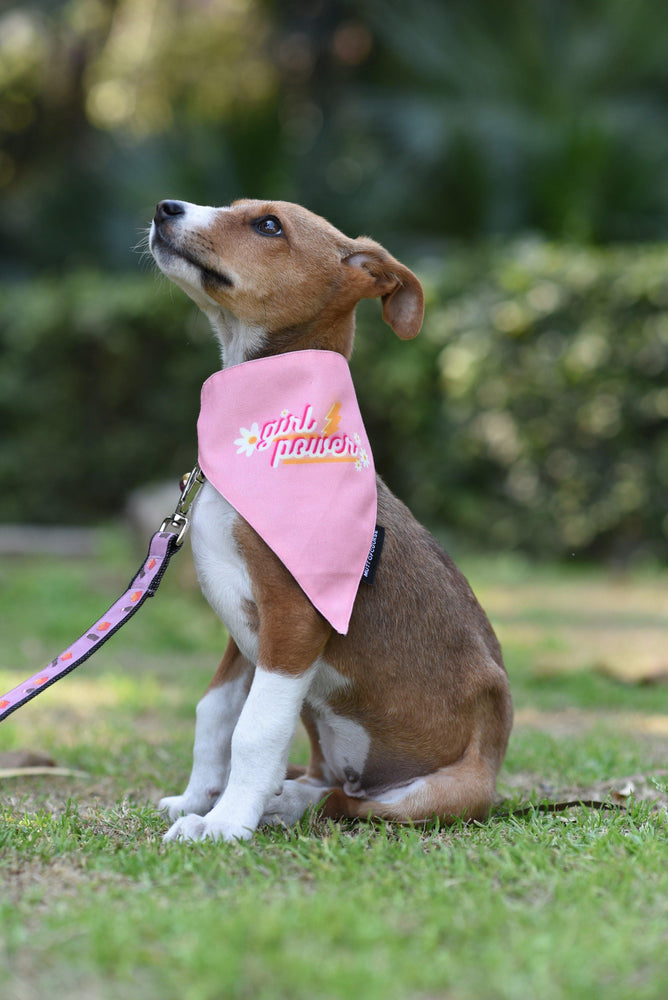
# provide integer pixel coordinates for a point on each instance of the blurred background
(514, 155)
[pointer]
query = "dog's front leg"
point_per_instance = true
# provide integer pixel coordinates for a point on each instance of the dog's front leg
(260, 746)
(217, 716)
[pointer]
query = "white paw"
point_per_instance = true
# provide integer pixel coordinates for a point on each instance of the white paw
(205, 828)
(290, 805)
(182, 805)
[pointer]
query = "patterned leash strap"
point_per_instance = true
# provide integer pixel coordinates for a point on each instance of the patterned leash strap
(143, 585)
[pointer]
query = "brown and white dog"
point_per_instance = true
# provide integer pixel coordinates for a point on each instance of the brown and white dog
(408, 714)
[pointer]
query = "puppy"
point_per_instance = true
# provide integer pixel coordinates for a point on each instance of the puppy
(409, 713)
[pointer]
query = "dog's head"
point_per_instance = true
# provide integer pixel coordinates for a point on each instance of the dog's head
(273, 277)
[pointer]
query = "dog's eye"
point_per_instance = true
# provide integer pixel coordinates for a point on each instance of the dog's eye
(268, 225)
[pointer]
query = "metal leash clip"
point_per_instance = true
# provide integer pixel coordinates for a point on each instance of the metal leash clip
(190, 487)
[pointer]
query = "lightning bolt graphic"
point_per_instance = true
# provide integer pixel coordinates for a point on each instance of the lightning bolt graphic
(332, 420)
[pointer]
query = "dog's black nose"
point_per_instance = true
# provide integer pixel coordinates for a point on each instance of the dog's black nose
(166, 209)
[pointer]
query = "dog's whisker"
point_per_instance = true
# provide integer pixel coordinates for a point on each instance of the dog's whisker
(143, 245)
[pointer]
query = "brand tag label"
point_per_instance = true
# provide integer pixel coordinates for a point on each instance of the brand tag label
(372, 559)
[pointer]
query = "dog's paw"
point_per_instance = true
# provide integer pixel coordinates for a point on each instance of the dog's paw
(288, 807)
(183, 805)
(189, 827)
(192, 827)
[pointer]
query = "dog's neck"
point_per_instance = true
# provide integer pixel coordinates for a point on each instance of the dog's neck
(240, 341)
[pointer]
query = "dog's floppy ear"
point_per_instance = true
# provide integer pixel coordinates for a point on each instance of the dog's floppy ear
(380, 275)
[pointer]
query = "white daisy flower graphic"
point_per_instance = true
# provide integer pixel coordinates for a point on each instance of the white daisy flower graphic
(248, 442)
(364, 458)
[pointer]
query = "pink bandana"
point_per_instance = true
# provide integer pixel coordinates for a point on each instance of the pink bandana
(282, 440)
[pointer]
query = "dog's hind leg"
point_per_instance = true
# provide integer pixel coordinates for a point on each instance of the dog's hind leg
(217, 715)
(462, 790)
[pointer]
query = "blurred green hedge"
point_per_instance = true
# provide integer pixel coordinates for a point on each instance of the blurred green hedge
(531, 413)
(99, 392)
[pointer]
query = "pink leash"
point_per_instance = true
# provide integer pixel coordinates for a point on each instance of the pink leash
(144, 584)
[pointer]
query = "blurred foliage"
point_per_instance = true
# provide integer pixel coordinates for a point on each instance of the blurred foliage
(99, 392)
(532, 410)
(460, 119)
(530, 413)
(109, 105)
(471, 117)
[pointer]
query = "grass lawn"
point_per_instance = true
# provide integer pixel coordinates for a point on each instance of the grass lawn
(530, 904)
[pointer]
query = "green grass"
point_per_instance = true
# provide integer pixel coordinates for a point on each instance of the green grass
(529, 907)
(532, 903)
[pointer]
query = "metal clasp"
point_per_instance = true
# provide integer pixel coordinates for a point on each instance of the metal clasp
(179, 519)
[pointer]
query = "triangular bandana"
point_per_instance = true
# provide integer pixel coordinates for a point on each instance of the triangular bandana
(282, 439)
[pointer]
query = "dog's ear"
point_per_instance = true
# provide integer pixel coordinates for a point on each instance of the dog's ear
(379, 275)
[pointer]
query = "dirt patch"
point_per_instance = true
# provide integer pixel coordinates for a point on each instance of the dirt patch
(573, 721)
(616, 624)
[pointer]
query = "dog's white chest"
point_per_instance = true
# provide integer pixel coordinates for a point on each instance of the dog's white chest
(221, 571)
